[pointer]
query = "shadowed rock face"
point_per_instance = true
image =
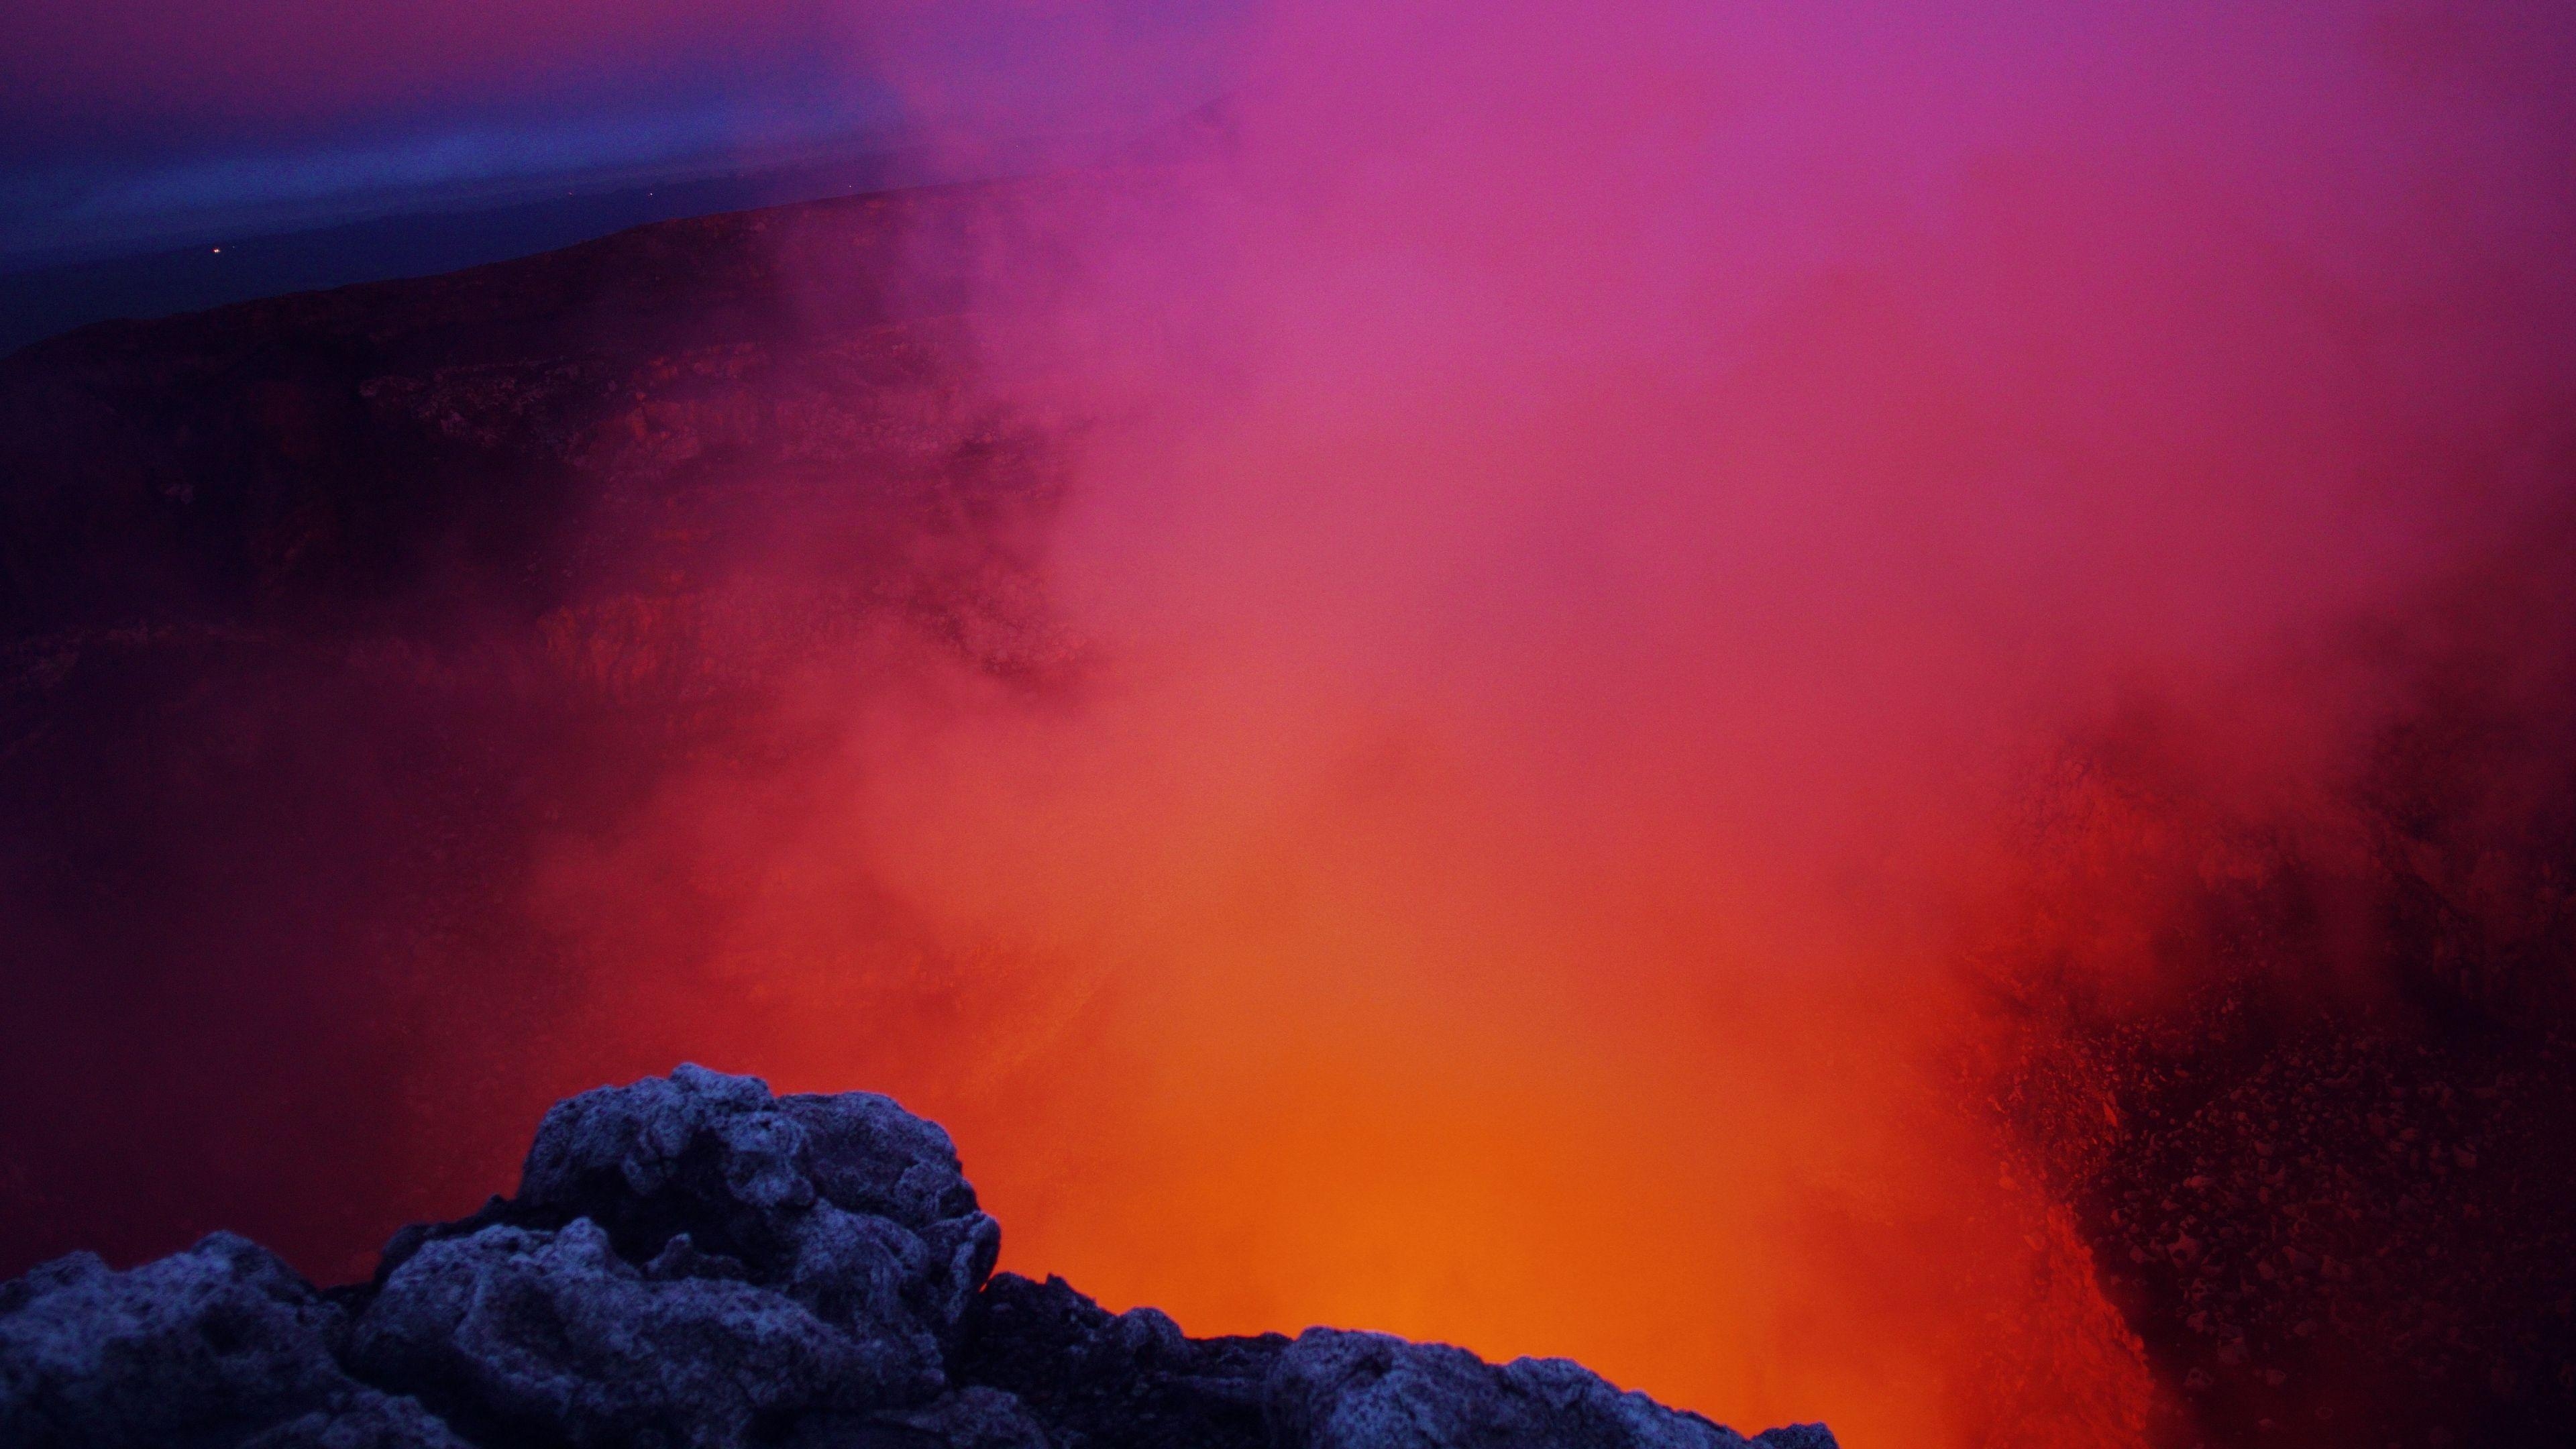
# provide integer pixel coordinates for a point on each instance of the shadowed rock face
(521, 435)
(326, 621)
(692, 1262)
(222, 1344)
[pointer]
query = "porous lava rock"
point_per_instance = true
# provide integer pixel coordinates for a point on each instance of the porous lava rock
(693, 1263)
(220, 1345)
(1340, 1390)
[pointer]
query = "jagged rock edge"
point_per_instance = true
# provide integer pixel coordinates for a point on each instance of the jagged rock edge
(692, 1261)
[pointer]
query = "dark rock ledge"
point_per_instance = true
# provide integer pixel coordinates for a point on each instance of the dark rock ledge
(693, 1262)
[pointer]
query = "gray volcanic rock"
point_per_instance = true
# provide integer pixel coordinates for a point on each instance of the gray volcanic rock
(1100, 1378)
(1338, 1390)
(855, 1206)
(692, 1263)
(689, 1259)
(538, 1331)
(222, 1345)
(974, 1417)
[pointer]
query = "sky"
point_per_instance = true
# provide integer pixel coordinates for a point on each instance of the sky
(133, 121)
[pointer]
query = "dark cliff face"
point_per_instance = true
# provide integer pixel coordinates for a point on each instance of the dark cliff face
(2320, 1148)
(691, 1261)
(512, 434)
(318, 615)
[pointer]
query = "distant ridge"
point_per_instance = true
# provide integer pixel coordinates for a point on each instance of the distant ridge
(41, 302)
(48, 298)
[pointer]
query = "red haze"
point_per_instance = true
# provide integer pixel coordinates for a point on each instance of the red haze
(1603, 518)
(1584, 531)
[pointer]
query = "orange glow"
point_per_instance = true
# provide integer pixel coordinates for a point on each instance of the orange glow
(1584, 560)
(1582, 538)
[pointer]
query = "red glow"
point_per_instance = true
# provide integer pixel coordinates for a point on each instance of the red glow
(1604, 522)
(1598, 529)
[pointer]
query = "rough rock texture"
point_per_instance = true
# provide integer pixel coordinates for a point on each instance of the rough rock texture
(693, 1262)
(689, 1259)
(1096, 1377)
(219, 1345)
(1337, 1390)
(2325, 1170)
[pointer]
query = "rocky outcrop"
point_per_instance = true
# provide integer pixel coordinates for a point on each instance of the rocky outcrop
(691, 1259)
(692, 1263)
(1337, 1390)
(221, 1344)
